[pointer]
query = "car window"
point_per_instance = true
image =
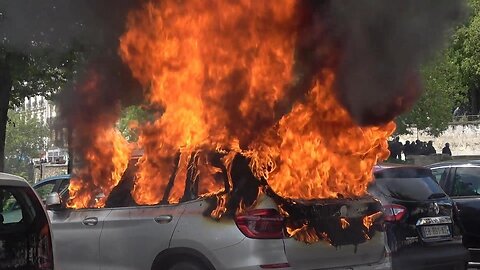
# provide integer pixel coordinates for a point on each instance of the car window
(11, 209)
(466, 182)
(411, 184)
(411, 189)
(44, 189)
(439, 174)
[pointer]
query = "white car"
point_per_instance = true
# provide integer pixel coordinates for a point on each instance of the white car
(25, 239)
(183, 236)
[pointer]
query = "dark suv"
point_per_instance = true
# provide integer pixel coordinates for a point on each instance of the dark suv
(420, 219)
(461, 181)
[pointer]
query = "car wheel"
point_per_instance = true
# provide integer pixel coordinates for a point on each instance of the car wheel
(186, 265)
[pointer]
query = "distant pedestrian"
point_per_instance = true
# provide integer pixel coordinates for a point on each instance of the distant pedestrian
(398, 148)
(430, 150)
(446, 150)
(416, 147)
(407, 149)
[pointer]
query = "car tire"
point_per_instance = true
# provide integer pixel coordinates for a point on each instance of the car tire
(186, 265)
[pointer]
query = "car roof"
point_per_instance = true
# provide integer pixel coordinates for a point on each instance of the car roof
(53, 178)
(385, 166)
(450, 163)
(12, 180)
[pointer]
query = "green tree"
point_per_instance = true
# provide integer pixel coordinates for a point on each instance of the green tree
(25, 140)
(465, 53)
(27, 74)
(443, 91)
(131, 116)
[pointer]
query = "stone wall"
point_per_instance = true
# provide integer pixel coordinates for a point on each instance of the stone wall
(426, 160)
(464, 139)
(45, 170)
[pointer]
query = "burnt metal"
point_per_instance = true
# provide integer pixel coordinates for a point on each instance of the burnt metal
(324, 215)
(171, 181)
(325, 218)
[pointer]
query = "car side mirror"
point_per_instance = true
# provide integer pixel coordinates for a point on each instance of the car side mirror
(53, 201)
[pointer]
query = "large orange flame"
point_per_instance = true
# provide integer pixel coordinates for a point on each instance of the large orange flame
(105, 156)
(216, 67)
(102, 168)
(220, 76)
(217, 74)
(318, 152)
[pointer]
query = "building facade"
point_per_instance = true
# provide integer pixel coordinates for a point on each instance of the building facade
(41, 108)
(46, 112)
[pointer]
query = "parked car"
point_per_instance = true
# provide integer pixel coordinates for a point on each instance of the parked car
(25, 239)
(461, 181)
(45, 187)
(421, 224)
(183, 236)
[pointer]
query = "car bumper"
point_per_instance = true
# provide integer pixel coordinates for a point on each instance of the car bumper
(451, 253)
(385, 264)
(251, 254)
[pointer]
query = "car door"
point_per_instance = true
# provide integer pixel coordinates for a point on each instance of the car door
(76, 234)
(133, 236)
(464, 188)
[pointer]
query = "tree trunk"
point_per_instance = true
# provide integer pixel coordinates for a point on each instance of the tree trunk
(5, 89)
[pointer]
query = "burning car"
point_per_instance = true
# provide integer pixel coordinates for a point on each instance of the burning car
(266, 231)
(254, 141)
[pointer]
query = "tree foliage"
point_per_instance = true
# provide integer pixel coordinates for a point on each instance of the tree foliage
(465, 48)
(25, 140)
(27, 74)
(443, 91)
(129, 120)
(40, 72)
(448, 79)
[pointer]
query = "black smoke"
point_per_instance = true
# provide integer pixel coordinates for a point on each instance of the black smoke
(383, 45)
(89, 28)
(376, 46)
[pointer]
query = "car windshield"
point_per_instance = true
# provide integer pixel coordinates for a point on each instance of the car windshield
(411, 189)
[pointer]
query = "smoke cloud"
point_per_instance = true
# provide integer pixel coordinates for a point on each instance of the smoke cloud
(377, 48)
(383, 45)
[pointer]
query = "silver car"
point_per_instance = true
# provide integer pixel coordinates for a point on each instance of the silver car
(184, 237)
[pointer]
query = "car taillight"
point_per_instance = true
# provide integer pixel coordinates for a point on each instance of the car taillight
(394, 212)
(261, 224)
(45, 251)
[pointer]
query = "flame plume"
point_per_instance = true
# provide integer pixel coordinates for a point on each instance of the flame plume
(255, 97)
(317, 151)
(232, 84)
(94, 179)
(104, 151)
(216, 71)
(219, 73)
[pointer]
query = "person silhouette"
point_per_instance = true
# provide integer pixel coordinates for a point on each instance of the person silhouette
(446, 150)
